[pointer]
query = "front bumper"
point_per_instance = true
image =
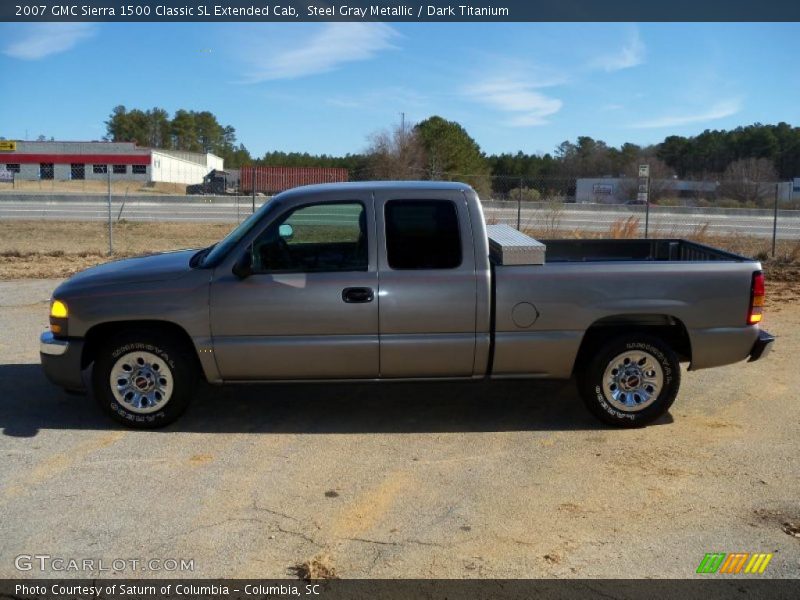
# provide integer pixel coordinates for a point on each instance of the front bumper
(61, 361)
(762, 347)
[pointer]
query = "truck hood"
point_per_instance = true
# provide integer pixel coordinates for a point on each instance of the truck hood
(151, 268)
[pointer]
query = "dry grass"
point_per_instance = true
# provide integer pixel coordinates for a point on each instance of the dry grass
(624, 228)
(784, 266)
(793, 254)
(52, 249)
(319, 567)
(92, 186)
(39, 249)
(547, 222)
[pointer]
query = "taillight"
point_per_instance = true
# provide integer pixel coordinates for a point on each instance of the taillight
(757, 297)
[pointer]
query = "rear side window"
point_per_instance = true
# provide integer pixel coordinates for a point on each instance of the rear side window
(422, 234)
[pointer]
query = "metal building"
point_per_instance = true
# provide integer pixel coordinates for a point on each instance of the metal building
(65, 161)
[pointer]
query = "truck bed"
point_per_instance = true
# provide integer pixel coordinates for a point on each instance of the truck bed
(567, 250)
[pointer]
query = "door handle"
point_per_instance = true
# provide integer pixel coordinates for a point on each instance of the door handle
(355, 295)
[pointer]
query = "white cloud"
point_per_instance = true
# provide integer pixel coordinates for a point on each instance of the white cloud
(44, 39)
(379, 100)
(520, 98)
(720, 110)
(333, 45)
(630, 55)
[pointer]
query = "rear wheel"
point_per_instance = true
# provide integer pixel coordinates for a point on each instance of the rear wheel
(144, 379)
(631, 380)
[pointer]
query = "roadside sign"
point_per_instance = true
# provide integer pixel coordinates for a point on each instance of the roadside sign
(603, 188)
(641, 197)
(6, 146)
(644, 170)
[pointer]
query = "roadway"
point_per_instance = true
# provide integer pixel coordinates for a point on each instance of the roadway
(662, 220)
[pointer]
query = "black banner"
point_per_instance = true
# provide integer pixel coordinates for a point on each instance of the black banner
(340, 589)
(399, 10)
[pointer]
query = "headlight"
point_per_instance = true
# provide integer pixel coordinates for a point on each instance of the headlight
(58, 309)
(58, 318)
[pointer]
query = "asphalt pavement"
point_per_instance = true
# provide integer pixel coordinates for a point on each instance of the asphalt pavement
(663, 220)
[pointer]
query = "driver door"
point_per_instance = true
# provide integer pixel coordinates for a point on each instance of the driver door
(309, 310)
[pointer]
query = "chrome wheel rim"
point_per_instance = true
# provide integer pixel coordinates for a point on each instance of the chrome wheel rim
(141, 382)
(633, 380)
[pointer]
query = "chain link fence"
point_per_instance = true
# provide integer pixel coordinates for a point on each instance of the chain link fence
(121, 216)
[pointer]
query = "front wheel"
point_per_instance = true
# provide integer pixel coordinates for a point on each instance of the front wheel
(630, 381)
(144, 380)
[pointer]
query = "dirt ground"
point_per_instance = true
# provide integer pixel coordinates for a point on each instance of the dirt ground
(448, 480)
(91, 186)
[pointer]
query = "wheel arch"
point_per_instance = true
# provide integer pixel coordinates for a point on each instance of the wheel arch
(668, 328)
(99, 333)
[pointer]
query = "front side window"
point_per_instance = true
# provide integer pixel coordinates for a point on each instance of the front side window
(98, 169)
(120, 169)
(315, 238)
(12, 167)
(422, 234)
(46, 170)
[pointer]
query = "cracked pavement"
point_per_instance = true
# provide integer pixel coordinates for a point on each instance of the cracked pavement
(448, 480)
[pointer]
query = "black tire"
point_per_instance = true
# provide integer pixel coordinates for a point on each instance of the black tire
(600, 400)
(172, 357)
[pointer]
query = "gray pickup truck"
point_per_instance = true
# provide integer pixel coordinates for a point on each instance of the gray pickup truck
(399, 281)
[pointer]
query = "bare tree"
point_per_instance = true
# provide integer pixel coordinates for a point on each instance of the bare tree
(396, 154)
(749, 180)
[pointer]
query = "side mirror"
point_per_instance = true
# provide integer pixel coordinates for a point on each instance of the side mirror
(286, 231)
(244, 266)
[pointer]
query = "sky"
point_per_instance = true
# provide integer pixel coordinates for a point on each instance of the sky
(327, 87)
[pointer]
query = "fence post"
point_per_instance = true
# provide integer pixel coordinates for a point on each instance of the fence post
(647, 210)
(519, 204)
(110, 226)
(775, 219)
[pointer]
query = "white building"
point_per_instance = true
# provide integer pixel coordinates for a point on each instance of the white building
(618, 190)
(174, 166)
(64, 161)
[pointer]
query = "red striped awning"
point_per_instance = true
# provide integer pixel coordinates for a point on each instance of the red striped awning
(99, 159)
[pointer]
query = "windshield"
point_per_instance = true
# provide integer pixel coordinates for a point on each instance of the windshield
(230, 240)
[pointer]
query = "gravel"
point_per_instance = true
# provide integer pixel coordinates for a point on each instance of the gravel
(448, 480)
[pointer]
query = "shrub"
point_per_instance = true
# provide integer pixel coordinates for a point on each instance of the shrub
(527, 194)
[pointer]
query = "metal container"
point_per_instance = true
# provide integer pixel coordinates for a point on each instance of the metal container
(507, 246)
(271, 180)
